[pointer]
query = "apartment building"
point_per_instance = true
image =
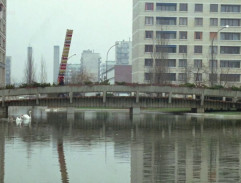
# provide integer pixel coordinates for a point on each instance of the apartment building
(186, 41)
(8, 66)
(2, 41)
(90, 63)
(123, 52)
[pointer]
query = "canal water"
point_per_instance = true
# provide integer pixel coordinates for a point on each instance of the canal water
(112, 147)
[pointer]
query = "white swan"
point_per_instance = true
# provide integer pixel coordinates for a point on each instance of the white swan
(25, 116)
(19, 120)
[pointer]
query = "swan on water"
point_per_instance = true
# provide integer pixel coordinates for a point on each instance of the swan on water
(19, 120)
(25, 116)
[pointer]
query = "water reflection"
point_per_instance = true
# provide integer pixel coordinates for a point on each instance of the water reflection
(112, 147)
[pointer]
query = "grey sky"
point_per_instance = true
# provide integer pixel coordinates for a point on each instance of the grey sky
(97, 24)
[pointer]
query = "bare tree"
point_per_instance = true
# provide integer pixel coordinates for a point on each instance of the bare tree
(43, 72)
(81, 77)
(224, 77)
(30, 69)
(159, 54)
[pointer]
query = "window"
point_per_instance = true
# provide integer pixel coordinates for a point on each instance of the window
(213, 77)
(182, 63)
(198, 35)
(230, 50)
(198, 49)
(166, 48)
(197, 77)
(230, 22)
(198, 21)
(147, 76)
(213, 22)
(166, 6)
(148, 48)
(213, 49)
(183, 7)
(213, 35)
(183, 49)
(198, 64)
(182, 21)
(166, 20)
(182, 35)
(149, 20)
(230, 77)
(213, 65)
(213, 7)
(230, 63)
(230, 8)
(149, 34)
(149, 6)
(170, 76)
(198, 7)
(230, 36)
(171, 63)
(182, 77)
(149, 62)
(166, 34)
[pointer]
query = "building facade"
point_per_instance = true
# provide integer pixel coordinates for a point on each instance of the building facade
(119, 74)
(186, 42)
(2, 41)
(8, 70)
(90, 63)
(106, 65)
(71, 73)
(123, 52)
(56, 64)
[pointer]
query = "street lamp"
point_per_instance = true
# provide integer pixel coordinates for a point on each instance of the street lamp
(71, 56)
(212, 52)
(106, 64)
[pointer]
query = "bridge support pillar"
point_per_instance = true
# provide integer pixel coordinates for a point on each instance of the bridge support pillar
(71, 97)
(4, 112)
(170, 98)
(137, 97)
(198, 110)
(104, 97)
(135, 110)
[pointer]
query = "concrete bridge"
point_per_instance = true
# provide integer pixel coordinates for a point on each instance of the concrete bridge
(141, 96)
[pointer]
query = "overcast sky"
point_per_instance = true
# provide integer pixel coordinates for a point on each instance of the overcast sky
(97, 24)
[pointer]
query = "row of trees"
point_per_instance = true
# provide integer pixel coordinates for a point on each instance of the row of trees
(198, 73)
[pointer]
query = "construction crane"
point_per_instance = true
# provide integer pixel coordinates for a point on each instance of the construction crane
(65, 55)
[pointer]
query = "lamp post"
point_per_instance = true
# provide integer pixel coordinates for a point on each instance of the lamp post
(212, 53)
(106, 63)
(71, 56)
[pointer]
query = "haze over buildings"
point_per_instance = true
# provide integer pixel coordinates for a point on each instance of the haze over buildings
(88, 22)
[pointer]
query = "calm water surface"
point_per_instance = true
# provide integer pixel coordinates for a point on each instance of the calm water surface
(111, 147)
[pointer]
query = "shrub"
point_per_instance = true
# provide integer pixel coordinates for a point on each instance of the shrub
(216, 87)
(10, 87)
(190, 85)
(105, 82)
(120, 83)
(234, 88)
(88, 82)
